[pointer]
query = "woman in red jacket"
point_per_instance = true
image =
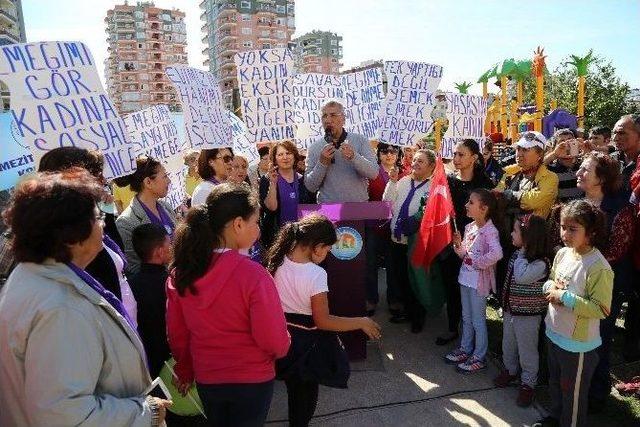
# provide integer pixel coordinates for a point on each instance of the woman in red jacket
(225, 322)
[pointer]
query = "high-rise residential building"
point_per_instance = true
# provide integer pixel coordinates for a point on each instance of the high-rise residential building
(319, 52)
(11, 31)
(143, 40)
(235, 26)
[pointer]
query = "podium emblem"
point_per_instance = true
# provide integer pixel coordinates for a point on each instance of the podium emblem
(349, 244)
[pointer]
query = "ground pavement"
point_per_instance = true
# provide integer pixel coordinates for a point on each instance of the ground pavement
(404, 382)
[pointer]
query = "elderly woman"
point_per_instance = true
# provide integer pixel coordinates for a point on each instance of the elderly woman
(600, 178)
(214, 167)
(281, 190)
(150, 183)
(240, 170)
(406, 194)
(69, 355)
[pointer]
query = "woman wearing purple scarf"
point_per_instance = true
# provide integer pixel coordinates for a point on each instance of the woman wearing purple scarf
(281, 190)
(406, 194)
(150, 183)
(69, 354)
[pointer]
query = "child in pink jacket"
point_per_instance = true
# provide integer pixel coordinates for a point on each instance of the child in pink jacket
(480, 250)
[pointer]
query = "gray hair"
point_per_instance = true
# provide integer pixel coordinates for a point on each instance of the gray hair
(333, 103)
(635, 118)
(430, 154)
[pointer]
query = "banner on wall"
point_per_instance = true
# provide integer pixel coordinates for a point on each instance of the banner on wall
(465, 118)
(405, 116)
(155, 134)
(361, 94)
(265, 85)
(57, 100)
(205, 121)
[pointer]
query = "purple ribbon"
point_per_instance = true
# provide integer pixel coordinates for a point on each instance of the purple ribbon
(96, 286)
(213, 180)
(403, 215)
(164, 219)
(385, 175)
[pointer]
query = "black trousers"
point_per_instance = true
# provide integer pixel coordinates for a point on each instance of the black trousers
(399, 266)
(231, 405)
(303, 399)
(450, 268)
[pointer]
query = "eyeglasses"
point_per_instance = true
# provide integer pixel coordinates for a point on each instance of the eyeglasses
(226, 158)
(101, 217)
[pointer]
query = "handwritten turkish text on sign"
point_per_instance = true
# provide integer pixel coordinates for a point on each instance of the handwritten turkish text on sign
(361, 94)
(465, 115)
(57, 100)
(155, 134)
(265, 83)
(205, 121)
(406, 112)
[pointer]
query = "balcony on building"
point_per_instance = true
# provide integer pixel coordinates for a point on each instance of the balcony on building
(225, 9)
(228, 49)
(155, 26)
(155, 46)
(123, 17)
(8, 13)
(125, 28)
(153, 18)
(157, 77)
(264, 22)
(157, 66)
(10, 32)
(227, 21)
(226, 36)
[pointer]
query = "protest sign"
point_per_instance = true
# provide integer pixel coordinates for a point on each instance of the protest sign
(206, 124)
(465, 119)
(155, 134)
(15, 159)
(265, 84)
(241, 143)
(57, 100)
(360, 93)
(405, 116)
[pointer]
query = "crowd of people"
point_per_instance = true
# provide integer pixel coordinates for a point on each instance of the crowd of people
(105, 282)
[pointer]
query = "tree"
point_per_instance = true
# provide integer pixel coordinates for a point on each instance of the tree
(463, 87)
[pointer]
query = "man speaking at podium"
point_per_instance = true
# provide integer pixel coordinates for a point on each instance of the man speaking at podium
(339, 165)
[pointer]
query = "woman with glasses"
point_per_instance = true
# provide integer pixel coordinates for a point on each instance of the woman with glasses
(378, 233)
(108, 266)
(215, 165)
(150, 183)
(281, 190)
(69, 353)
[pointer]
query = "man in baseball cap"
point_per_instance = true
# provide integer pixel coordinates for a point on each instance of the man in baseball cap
(532, 138)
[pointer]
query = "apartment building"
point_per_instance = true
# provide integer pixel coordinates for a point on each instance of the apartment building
(11, 31)
(235, 26)
(142, 40)
(318, 52)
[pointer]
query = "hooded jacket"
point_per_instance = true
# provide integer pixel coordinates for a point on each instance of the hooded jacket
(233, 329)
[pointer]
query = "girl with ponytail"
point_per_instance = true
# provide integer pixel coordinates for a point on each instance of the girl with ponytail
(316, 355)
(224, 320)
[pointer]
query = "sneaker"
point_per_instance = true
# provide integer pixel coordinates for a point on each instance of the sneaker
(525, 396)
(505, 379)
(546, 422)
(456, 356)
(471, 365)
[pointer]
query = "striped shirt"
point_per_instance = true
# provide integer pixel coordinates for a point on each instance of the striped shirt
(567, 181)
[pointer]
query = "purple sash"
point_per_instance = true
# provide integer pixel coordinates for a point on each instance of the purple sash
(164, 219)
(96, 286)
(403, 215)
(108, 242)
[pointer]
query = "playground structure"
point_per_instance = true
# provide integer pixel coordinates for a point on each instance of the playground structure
(506, 113)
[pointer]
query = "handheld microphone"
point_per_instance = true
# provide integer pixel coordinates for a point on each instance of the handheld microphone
(327, 135)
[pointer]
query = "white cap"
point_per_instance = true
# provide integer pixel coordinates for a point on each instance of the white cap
(531, 138)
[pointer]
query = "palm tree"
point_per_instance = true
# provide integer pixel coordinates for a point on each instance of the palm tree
(463, 87)
(484, 79)
(582, 69)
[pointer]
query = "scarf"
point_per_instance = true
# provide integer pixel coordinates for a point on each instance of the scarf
(164, 219)
(403, 215)
(288, 195)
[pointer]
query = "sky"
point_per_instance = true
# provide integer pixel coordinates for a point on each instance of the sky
(464, 36)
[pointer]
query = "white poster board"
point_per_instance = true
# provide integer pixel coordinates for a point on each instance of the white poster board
(466, 115)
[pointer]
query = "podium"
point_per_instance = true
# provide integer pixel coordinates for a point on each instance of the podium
(346, 264)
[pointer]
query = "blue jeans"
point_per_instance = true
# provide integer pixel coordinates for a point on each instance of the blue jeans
(474, 323)
(376, 246)
(236, 405)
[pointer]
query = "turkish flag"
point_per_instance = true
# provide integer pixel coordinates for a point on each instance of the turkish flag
(435, 229)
